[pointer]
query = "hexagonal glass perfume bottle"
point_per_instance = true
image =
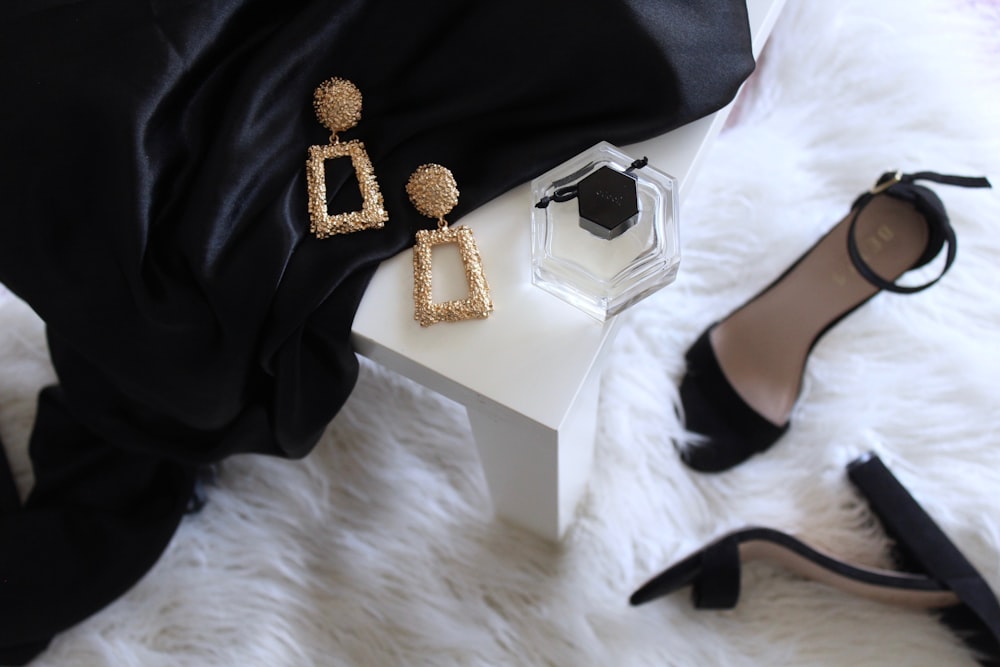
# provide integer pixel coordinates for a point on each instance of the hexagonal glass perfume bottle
(604, 232)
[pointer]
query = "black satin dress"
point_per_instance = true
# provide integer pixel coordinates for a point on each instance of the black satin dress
(153, 212)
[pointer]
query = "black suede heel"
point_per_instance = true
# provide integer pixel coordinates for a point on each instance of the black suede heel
(922, 546)
(939, 578)
(718, 398)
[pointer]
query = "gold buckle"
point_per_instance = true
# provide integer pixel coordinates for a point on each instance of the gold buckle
(882, 187)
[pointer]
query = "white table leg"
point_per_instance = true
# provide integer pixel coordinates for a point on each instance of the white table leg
(536, 472)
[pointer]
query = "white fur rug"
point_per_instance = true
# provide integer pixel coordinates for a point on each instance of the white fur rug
(380, 547)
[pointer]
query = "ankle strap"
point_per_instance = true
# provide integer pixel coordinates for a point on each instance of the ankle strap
(901, 186)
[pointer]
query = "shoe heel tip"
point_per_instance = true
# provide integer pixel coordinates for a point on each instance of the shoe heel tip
(642, 596)
(862, 461)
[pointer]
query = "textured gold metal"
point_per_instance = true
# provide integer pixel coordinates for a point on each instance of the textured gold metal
(433, 191)
(372, 214)
(338, 106)
(878, 188)
(477, 305)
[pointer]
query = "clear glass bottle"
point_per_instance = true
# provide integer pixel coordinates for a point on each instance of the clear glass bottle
(595, 250)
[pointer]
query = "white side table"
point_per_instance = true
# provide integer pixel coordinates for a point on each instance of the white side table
(528, 376)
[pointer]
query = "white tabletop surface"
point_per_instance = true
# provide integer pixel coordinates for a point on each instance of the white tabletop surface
(534, 352)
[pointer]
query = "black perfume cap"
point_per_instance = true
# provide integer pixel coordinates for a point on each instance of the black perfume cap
(609, 205)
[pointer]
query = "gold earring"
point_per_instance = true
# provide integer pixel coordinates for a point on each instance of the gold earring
(433, 191)
(338, 106)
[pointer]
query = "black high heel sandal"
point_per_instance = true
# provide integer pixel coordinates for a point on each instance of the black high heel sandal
(938, 576)
(744, 373)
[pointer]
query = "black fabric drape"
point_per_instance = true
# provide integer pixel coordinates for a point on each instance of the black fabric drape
(153, 213)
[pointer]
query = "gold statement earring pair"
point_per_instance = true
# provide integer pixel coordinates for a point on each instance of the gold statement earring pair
(431, 189)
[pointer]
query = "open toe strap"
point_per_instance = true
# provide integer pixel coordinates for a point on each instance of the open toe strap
(902, 186)
(718, 583)
(713, 573)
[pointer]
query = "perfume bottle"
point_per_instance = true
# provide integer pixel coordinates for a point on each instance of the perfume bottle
(604, 231)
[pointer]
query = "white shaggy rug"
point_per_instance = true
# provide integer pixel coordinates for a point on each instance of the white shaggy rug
(380, 547)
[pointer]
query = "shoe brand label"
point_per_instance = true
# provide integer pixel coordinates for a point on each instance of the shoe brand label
(869, 247)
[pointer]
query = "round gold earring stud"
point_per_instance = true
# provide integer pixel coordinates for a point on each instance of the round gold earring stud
(338, 104)
(433, 191)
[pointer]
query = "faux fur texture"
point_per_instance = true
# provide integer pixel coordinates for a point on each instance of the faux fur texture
(380, 547)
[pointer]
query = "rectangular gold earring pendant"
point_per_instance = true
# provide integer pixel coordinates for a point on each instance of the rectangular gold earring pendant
(372, 214)
(477, 305)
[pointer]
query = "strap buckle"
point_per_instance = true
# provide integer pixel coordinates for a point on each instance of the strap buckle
(885, 185)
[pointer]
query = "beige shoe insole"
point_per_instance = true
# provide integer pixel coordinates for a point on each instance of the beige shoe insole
(762, 347)
(790, 560)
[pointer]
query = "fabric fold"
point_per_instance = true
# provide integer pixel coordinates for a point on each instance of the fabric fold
(155, 212)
